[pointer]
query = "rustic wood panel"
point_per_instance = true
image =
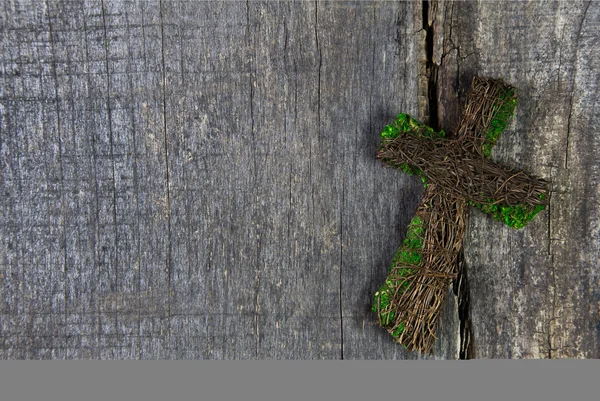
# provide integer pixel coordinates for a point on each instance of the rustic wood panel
(534, 292)
(197, 179)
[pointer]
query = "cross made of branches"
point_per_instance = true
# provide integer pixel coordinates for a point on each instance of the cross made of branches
(457, 173)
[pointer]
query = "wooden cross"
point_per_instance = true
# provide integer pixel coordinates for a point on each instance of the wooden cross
(457, 172)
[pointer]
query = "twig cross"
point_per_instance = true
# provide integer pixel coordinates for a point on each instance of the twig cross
(457, 172)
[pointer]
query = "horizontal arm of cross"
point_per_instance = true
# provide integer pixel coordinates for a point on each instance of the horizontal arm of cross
(450, 166)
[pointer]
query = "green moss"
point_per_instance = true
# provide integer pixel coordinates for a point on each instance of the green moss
(513, 216)
(408, 169)
(406, 124)
(390, 132)
(398, 330)
(503, 112)
(382, 301)
(407, 255)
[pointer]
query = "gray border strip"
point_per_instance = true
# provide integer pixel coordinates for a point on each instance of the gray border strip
(300, 380)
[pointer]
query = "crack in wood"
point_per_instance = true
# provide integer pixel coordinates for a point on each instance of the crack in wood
(166, 150)
(461, 285)
(431, 69)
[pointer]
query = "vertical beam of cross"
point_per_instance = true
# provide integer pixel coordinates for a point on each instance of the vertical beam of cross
(456, 172)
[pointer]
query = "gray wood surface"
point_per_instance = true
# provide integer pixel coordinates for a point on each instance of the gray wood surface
(198, 179)
(535, 293)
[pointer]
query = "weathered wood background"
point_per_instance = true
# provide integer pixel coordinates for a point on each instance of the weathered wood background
(191, 179)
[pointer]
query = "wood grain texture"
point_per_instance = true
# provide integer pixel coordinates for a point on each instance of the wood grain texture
(534, 292)
(198, 179)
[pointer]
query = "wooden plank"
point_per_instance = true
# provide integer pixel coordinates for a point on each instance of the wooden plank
(34, 235)
(533, 291)
(198, 180)
(376, 203)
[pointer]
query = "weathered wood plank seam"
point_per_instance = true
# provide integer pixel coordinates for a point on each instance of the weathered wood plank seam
(93, 156)
(341, 214)
(461, 289)
(63, 237)
(438, 47)
(166, 150)
(139, 274)
(110, 138)
(552, 267)
(255, 185)
(573, 86)
(341, 217)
